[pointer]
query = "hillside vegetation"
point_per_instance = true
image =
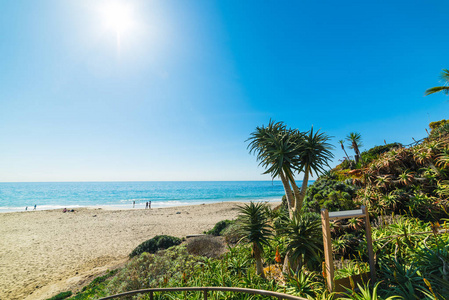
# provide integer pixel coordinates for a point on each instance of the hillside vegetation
(406, 191)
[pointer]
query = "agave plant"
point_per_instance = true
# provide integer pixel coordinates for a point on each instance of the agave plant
(443, 159)
(365, 293)
(390, 200)
(405, 280)
(442, 188)
(406, 177)
(304, 240)
(303, 283)
(383, 181)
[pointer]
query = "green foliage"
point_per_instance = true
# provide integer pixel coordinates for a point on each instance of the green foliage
(365, 293)
(61, 296)
(155, 244)
(437, 124)
(305, 241)
(352, 268)
(232, 233)
(374, 153)
(219, 227)
(95, 289)
(302, 284)
(254, 224)
(440, 131)
(331, 194)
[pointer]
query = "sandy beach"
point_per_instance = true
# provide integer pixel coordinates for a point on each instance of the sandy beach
(43, 253)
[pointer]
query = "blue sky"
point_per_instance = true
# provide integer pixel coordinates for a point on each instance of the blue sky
(175, 89)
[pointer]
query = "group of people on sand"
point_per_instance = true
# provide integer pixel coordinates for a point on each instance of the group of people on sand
(147, 204)
(26, 208)
(67, 210)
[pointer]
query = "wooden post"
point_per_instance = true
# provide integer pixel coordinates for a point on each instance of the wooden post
(151, 295)
(205, 294)
(327, 242)
(369, 243)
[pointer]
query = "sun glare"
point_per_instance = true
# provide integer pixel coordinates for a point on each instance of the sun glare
(118, 16)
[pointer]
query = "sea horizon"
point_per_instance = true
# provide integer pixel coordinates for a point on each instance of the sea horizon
(22, 196)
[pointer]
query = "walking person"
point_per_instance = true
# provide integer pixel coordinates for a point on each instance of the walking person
(34, 207)
(134, 203)
(146, 205)
(149, 205)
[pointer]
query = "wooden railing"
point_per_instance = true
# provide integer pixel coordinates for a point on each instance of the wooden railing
(205, 290)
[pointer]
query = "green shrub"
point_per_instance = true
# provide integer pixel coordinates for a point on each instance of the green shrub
(61, 296)
(232, 233)
(219, 228)
(373, 153)
(155, 244)
(436, 124)
(334, 195)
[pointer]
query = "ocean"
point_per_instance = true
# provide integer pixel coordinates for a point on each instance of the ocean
(16, 196)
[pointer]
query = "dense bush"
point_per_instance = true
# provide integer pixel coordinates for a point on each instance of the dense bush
(219, 227)
(437, 124)
(331, 194)
(155, 244)
(373, 153)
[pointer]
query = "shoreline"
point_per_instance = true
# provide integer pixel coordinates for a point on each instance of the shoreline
(47, 251)
(141, 205)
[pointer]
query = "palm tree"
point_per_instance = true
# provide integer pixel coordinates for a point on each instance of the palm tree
(313, 155)
(284, 151)
(276, 148)
(255, 228)
(355, 139)
(444, 89)
(343, 148)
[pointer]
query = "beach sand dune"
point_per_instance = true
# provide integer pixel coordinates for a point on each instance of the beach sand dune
(43, 253)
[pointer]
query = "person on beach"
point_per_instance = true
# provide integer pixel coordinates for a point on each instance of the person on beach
(26, 208)
(64, 210)
(134, 203)
(149, 205)
(146, 205)
(34, 207)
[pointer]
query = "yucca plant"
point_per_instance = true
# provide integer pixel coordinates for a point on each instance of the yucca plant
(305, 241)
(365, 293)
(303, 283)
(255, 227)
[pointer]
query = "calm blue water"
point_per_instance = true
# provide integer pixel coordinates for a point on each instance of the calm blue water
(53, 195)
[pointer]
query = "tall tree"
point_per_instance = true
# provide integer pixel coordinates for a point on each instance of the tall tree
(444, 89)
(314, 154)
(343, 148)
(254, 226)
(283, 152)
(355, 139)
(276, 150)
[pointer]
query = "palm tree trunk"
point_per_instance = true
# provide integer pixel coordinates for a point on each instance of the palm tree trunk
(297, 194)
(258, 257)
(357, 152)
(302, 195)
(343, 147)
(288, 193)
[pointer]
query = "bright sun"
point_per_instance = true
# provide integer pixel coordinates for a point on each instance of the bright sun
(118, 16)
